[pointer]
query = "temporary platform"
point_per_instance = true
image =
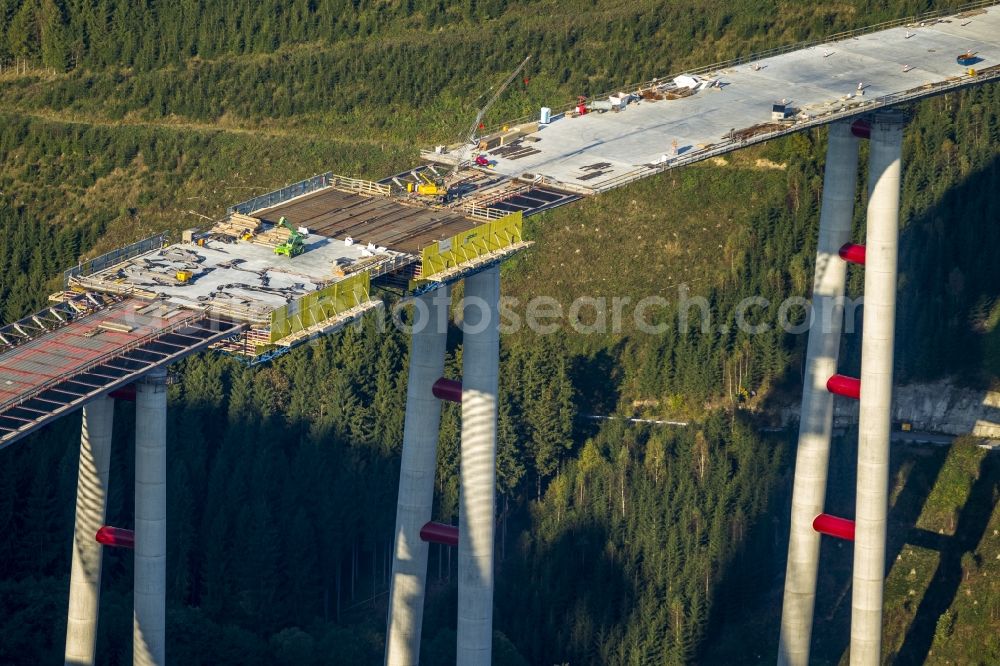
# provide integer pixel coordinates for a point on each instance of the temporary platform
(382, 221)
(352, 232)
(97, 343)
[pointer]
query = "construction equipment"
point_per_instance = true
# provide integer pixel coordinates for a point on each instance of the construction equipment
(183, 276)
(473, 130)
(428, 187)
(292, 247)
(440, 187)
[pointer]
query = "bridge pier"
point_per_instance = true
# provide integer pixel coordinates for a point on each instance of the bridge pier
(477, 393)
(885, 169)
(816, 418)
(416, 479)
(874, 389)
(480, 371)
(148, 625)
(91, 506)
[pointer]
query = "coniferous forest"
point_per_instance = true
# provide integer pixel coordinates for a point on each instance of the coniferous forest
(618, 543)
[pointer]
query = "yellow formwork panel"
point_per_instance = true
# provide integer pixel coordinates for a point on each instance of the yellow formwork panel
(320, 306)
(469, 245)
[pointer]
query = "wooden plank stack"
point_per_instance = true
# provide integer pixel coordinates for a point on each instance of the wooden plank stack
(272, 237)
(237, 225)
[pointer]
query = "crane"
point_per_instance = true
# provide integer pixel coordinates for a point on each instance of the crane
(471, 135)
(440, 186)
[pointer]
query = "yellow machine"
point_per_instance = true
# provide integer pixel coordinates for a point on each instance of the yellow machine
(428, 188)
(183, 276)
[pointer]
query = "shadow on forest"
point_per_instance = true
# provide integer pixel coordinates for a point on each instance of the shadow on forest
(970, 527)
(749, 587)
(946, 272)
(596, 378)
(584, 593)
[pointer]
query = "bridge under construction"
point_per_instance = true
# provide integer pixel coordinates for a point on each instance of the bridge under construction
(303, 261)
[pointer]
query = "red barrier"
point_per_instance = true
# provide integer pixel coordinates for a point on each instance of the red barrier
(842, 528)
(447, 389)
(849, 387)
(861, 129)
(439, 533)
(116, 537)
(853, 253)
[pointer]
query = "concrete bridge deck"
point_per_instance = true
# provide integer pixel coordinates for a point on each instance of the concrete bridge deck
(599, 151)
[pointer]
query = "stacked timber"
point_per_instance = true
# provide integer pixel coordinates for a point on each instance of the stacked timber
(272, 237)
(237, 225)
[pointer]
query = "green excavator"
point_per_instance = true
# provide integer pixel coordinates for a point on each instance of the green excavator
(292, 247)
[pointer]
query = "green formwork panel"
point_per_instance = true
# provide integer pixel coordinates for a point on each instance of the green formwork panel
(315, 308)
(471, 244)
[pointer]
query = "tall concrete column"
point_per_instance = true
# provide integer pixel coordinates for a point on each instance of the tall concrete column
(417, 468)
(480, 361)
(148, 624)
(876, 389)
(91, 505)
(816, 418)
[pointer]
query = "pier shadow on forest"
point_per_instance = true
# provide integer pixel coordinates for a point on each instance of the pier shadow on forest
(969, 530)
(565, 598)
(596, 379)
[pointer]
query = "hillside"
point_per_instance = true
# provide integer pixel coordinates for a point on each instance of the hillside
(127, 123)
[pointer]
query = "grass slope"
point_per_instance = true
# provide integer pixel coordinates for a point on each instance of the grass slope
(648, 239)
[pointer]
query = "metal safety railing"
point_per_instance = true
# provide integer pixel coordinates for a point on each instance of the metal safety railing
(307, 186)
(360, 186)
(761, 55)
(284, 194)
(484, 213)
(114, 257)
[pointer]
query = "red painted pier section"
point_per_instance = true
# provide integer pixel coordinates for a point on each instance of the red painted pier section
(848, 387)
(439, 533)
(449, 390)
(853, 253)
(116, 537)
(842, 528)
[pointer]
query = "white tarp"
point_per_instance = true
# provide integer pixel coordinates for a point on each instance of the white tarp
(687, 81)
